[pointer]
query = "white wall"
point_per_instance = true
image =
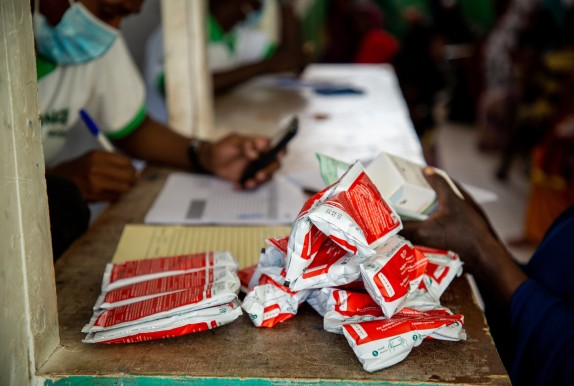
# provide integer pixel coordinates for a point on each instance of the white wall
(28, 312)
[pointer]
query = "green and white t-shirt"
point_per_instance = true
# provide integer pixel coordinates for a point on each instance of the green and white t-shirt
(110, 88)
(244, 44)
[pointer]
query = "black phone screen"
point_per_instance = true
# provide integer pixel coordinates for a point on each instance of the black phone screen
(278, 143)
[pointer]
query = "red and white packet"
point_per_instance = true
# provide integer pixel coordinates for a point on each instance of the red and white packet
(346, 307)
(271, 303)
(355, 215)
(165, 285)
(332, 266)
(162, 306)
(442, 268)
(304, 239)
(316, 303)
(281, 243)
(171, 326)
(271, 263)
(382, 343)
(392, 273)
(135, 271)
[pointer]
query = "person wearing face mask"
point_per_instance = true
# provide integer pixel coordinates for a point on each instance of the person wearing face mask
(83, 63)
(238, 48)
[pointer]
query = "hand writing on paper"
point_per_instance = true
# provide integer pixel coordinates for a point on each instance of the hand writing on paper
(100, 175)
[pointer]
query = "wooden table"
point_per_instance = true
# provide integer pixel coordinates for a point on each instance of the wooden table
(298, 351)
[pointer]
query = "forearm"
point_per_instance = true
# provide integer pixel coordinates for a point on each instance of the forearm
(156, 143)
(496, 270)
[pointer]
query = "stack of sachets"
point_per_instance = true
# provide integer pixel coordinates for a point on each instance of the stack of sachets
(165, 297)
(345, 258)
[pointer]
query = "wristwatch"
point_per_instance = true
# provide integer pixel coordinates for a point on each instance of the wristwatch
(193, 152)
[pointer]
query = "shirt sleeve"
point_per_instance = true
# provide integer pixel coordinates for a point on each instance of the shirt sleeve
(118, 94)
(542, 324)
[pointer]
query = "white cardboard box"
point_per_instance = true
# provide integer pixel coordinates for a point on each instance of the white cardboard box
(402, 183)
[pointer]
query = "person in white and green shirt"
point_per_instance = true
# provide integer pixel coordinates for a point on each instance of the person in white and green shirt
(83, 62)
(238, 48)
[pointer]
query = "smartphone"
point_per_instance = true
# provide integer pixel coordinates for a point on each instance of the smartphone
(278, 143)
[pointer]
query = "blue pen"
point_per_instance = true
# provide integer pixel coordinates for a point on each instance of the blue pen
(95, 130)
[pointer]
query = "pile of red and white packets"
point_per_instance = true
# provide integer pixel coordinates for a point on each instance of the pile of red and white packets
(345, 258)
(165, 297)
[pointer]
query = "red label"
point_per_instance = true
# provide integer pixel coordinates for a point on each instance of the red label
(246, 274)
(396, 274)
(405, 321)
(161, 285)
(135, 311)
(312, 242)
(280, 243)
(178, 331)
(162, 264)
(327, 255)
(363, 202)
(356, 303)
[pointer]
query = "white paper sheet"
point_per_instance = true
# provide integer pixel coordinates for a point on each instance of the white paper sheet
(480, 195)
(196, 199)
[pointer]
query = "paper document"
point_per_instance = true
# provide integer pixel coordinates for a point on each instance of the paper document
(148, 241)
(197, 199)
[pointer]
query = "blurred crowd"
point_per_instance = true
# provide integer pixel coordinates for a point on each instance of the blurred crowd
(504, 67)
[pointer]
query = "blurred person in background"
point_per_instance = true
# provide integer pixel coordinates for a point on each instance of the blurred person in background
(540, 117)
(355, 34)
(238, 48)
(498, 100)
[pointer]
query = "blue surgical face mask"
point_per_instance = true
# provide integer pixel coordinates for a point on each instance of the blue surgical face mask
(78, 38)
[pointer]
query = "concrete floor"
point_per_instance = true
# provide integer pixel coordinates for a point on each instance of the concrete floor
(458, 154)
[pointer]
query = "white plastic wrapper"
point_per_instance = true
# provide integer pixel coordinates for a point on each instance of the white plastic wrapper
(304, 239)
(347, 307)
(392, 273)
(171, 326)
(315, 302)
(271, 263)
(131, 272)
(271, 303)
(332, 266)
(163, 306)
(281, 243)
(382, 343)
(165, 285)
(355, 215)
(442, 268)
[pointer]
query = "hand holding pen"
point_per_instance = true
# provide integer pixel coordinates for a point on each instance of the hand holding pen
(96, 132)
(100, 175)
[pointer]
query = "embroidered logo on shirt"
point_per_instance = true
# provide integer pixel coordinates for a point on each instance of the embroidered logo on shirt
(55, 117)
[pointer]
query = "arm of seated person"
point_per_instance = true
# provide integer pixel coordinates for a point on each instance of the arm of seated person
(226, 158)
(289, 57)
(460, 225)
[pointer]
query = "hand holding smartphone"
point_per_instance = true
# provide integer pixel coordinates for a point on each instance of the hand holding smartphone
(278, 143)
